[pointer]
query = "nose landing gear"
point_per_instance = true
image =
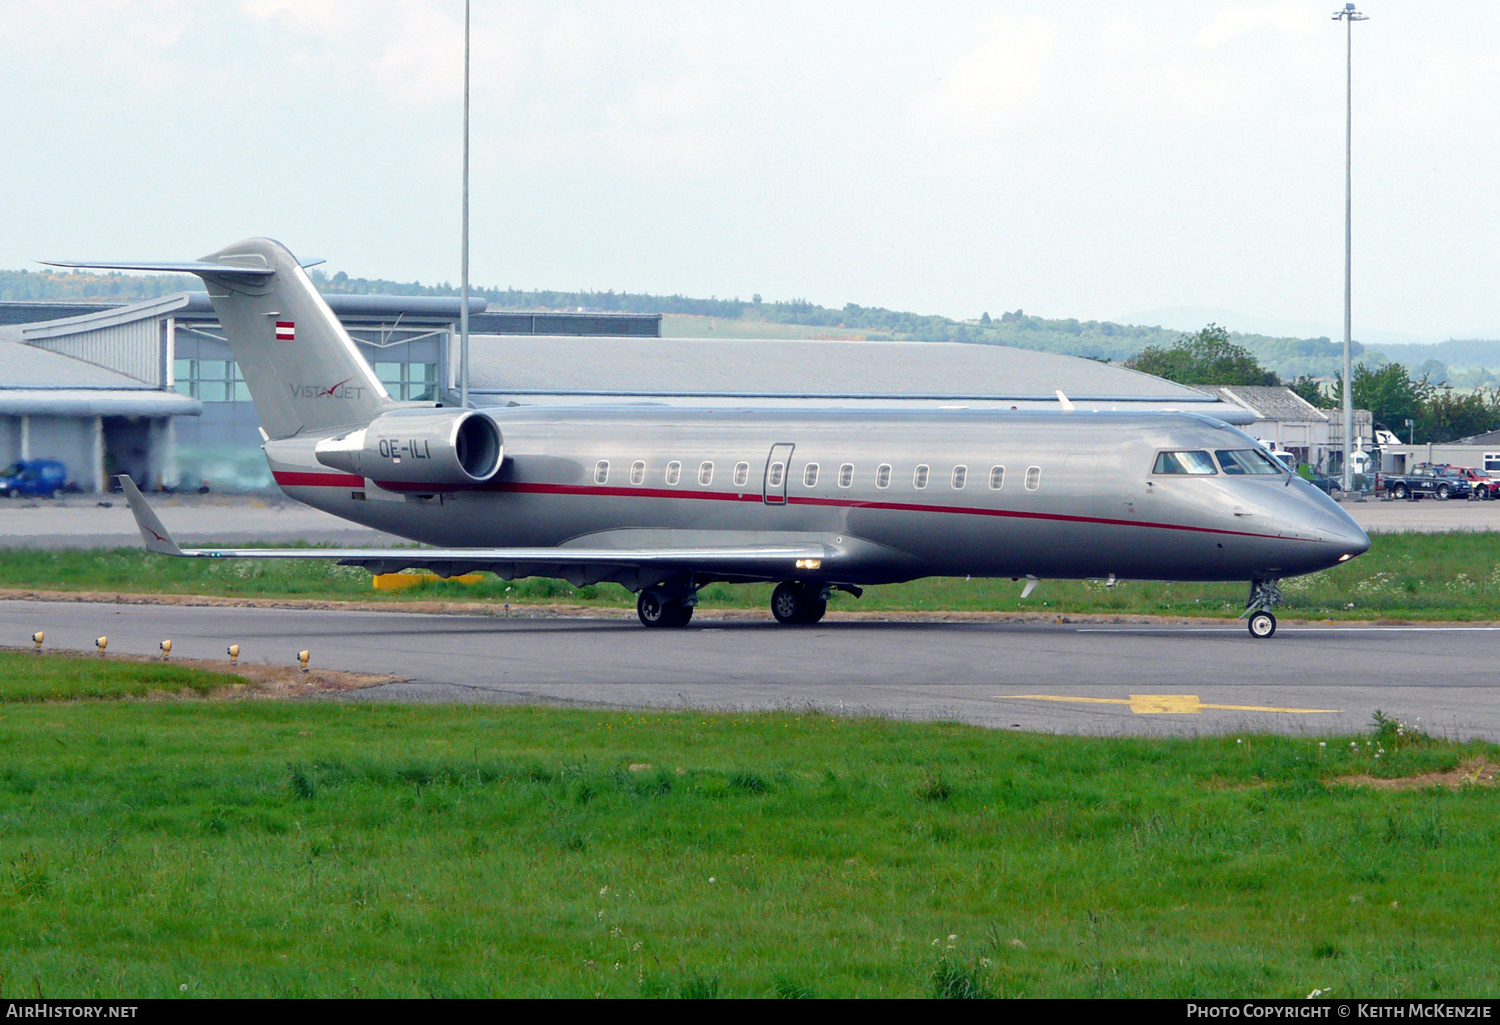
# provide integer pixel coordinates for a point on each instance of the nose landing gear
(1264, 595)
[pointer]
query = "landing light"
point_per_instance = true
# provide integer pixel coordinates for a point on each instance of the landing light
(1345, 557)
(809, 563)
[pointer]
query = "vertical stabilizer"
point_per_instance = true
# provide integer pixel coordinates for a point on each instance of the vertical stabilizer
(303, 370)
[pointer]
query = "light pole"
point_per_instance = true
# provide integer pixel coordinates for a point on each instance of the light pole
(1348, 16)
(463, 312)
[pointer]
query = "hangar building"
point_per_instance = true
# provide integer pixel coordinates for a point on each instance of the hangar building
(150, 388)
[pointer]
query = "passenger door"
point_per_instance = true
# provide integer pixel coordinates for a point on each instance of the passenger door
(778, 463)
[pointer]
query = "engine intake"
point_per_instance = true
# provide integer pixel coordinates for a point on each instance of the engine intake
(441, 448)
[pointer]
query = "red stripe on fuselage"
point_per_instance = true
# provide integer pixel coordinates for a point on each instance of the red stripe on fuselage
(292, 479)
(339, 480)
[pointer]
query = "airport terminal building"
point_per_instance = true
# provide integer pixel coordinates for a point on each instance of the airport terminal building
(151, 389)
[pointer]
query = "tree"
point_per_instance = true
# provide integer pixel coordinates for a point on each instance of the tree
(1311, 390)
(1447, 416)
(1208, 357)
(1389, 393)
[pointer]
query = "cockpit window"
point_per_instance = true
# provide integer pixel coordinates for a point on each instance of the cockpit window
(1184, 462)
(1248, 460)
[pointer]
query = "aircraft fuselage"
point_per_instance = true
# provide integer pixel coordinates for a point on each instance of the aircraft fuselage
(901, 494)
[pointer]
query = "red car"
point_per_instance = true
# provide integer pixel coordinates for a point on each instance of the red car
(1485, 486)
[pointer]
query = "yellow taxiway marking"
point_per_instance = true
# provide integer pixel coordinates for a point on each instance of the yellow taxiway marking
(1171, 704)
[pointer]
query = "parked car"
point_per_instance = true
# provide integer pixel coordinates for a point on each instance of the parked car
(33, 478)
(1427, 481)
(1324, 483)
(1485, 486)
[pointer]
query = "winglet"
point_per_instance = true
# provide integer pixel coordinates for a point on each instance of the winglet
(152, 532)
(1062, 400)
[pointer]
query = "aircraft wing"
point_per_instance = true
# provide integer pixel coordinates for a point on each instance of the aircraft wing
(509, 562)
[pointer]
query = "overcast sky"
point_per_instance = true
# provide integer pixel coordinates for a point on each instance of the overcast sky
(1084, 159)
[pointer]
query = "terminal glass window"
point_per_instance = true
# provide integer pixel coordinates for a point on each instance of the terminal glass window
(409, 382)
(1248, 460)
(210, 380)
(1185, 462)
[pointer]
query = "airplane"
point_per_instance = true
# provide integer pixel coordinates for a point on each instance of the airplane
(667, 500)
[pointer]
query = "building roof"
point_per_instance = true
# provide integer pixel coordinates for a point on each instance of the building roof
(54, 319)
(35, 382)
(1266, 402)
(26, 366)
(524, 365)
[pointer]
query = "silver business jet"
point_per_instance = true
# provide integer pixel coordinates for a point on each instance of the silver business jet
(666, 500)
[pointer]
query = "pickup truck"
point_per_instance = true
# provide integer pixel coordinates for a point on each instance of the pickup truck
(1483, 484)
(1428, 481)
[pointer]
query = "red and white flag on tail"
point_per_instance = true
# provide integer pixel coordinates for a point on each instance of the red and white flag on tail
(286, 331)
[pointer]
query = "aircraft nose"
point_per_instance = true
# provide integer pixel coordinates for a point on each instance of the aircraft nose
(1353, 540)
(1339, 529)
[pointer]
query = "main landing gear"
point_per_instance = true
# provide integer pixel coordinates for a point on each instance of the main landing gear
(797, 604)
(657, 609)
(1264, 595)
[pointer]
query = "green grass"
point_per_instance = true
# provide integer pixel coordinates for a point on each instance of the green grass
(47, 677)
(216, 848)
(1408, 576)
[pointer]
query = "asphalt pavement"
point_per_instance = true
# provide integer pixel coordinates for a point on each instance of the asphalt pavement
(92, 521)
(1098, 679)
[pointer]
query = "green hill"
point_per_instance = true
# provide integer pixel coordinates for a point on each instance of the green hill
(715, 317)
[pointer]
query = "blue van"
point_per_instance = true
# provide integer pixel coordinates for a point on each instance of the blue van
(33, 478)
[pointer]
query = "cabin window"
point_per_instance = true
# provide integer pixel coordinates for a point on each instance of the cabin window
(674, 473)
(810, 475)
(997, 478)
(601, 471)
(919, 476)
(741, 474)
(883, 475)
(846, 475)
(1197, 463)
(1248, 460)
(775, 474)
(960, 475)
(638, 472)
(1033, 477)
(706, 473)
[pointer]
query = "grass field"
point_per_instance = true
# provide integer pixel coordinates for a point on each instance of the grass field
(1407, 576)
(208, 847)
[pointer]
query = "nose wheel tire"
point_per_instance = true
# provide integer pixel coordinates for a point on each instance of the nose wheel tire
(656, 611)
(1262, 624)
(794, 604)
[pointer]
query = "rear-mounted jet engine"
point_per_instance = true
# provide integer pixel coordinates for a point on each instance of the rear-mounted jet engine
(443, 448)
